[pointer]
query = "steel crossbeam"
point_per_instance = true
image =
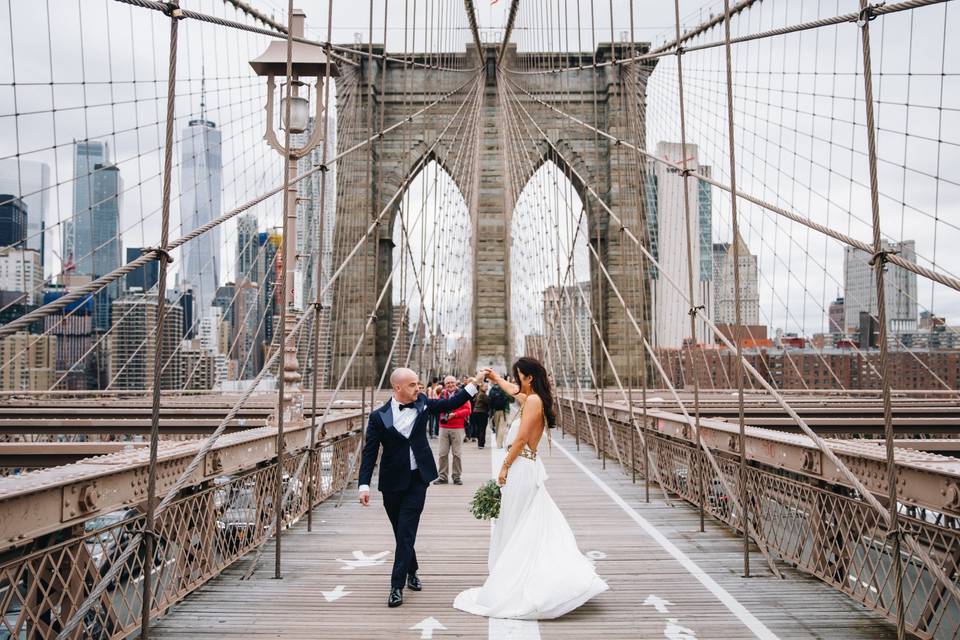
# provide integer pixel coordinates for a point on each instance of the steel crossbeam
(52, 499)
(925, 479)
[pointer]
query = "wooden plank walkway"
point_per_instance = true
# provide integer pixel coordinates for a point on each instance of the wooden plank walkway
(336, 579)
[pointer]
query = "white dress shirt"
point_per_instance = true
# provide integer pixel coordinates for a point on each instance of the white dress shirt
(403, 421)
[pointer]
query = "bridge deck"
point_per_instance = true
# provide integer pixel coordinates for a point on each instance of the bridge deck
(642, 549)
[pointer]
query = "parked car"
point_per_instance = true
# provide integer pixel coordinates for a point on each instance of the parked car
(238, 514)
(111, 533)
(16, 626)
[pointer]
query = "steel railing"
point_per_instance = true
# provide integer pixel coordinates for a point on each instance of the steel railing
(212, 525)
(819, 527)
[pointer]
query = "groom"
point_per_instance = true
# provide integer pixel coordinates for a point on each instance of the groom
(407, 467)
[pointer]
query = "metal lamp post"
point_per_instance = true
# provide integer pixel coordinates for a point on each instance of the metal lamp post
(307, 61)
(291, 59)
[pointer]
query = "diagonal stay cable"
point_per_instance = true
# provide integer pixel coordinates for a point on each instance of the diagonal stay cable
(821, 444)
(134, 543)
(154, 253)
(371, 318)
(930, 274)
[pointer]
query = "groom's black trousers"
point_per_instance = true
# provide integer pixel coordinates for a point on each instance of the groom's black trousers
(404, 509)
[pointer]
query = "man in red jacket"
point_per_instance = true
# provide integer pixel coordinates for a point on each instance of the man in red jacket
(451, 433)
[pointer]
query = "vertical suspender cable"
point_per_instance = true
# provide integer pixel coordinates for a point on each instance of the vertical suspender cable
(164, 258)
(878, 262)
(699, 475)
(287, 300)
(745, 506)
(318, 303)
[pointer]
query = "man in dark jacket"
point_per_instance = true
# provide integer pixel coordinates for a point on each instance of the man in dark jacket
(407, 467)
(480, 416)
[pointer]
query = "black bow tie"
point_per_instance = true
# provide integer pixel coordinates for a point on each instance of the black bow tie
(410, 405)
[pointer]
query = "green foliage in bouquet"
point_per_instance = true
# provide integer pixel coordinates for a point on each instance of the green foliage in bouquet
(486, 501)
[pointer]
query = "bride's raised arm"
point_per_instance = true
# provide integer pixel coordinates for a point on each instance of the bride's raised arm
(508, 387)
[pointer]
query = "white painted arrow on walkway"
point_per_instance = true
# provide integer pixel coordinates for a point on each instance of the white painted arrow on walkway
(427, 626)
(361, 559)
(336, 594)
(658, 603)
(674, 631)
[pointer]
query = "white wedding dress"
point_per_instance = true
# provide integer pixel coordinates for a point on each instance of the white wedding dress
(536, 569)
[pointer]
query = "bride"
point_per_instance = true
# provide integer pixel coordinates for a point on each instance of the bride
(536, 570)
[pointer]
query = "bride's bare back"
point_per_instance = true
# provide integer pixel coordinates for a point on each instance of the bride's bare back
(531, 422)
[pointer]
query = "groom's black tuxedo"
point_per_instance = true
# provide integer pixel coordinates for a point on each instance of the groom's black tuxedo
(395, 461)
(404, 489)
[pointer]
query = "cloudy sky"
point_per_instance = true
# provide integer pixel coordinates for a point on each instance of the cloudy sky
(96, 70)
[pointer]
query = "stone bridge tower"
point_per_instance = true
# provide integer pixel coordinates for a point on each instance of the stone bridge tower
(374, 96)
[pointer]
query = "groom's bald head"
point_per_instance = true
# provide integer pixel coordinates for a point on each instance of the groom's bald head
(405, 384)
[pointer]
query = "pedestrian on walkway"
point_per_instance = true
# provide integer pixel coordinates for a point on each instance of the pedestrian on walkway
(499, 402)
(433, 422)
(451, 434)
(480, 416)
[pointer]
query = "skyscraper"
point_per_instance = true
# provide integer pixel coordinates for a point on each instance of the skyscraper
(567, 332)
(92, 239)
(271, 294)
(76, 361)
(248, 248)
(666, 215)
(200, 182)
(143, 277)
(133, 344)
(247, 329)
(29, 362)
(224, 301)
(13, 221)
(30, 181)
(246, 346)
(724, 289)
(400, 335)
(835, 316)
(86, 156)
(900, 288)
(21, 274)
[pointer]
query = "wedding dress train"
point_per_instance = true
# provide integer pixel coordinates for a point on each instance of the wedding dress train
(536, 569)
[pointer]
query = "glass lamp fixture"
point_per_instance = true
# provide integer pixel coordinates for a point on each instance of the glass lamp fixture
(299, 110)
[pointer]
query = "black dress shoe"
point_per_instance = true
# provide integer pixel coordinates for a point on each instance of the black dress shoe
(458, 481)
(396, 598)
(414, 582)
(440, 481)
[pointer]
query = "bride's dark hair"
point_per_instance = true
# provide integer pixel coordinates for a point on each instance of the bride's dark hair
(540, 384)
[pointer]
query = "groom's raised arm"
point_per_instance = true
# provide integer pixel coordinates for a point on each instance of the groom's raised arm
(371, 448)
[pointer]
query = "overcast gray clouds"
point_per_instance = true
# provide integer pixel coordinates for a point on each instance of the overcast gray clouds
(799, 116)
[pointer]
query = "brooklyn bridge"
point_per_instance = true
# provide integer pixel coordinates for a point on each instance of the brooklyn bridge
(728, 228)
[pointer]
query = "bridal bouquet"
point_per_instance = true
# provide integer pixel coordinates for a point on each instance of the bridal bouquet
(486, 501)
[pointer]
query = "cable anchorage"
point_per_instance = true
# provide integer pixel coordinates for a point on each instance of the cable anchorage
(868, 14)
(883, 256)
(174, 11)
(162, 254)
